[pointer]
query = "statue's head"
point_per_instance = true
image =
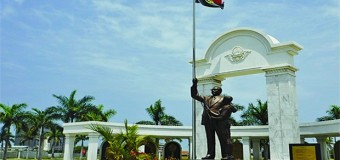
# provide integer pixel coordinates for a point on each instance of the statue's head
(215, 91)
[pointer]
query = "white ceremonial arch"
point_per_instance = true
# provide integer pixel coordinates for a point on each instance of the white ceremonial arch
(245, 51)
(239, 52)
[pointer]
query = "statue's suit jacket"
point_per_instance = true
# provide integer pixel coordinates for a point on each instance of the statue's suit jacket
(224, 105)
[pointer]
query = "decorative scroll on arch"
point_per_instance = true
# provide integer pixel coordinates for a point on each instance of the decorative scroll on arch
(244, 51)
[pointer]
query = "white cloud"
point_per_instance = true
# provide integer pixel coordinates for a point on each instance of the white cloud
(147, 25)
(13, 68)
(122, 48)
(112, 6)
(113, 63)
(7, 8)
(7, 11)
(332, 9)
(19, 1)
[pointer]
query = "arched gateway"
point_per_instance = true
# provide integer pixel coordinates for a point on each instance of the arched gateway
(245, 51)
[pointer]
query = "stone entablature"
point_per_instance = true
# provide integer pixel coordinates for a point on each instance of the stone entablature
(246, 133)
(312, 129)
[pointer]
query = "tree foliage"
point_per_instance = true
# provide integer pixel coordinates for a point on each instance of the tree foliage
(71, 110)
(36, 125)
(124, 145)
(55, 135)
(42, 120)
(159, 117)
(98, 115)
(333, 113)
(255, 114)
(12, 116)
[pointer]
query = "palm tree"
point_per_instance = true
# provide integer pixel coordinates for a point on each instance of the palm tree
(43, 119)
(146, 122)
(156, 112)
(106, 115)
(3, 138)
(81, 138)
(11, 115)
(103, 116)
(333, 113)
(232, 120)
(125, 144)
(28, 135)
(71, 109)
(170, 121)
(55, 135)
(256, 115)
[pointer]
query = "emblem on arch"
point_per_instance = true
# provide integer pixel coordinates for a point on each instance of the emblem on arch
(238, 54)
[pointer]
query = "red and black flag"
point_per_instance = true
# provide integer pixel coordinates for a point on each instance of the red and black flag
(212, 3)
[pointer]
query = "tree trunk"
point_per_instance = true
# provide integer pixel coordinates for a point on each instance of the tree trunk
(28, 147)
(41, 142)
(6, 148)
(6, 145)
(81, 150)
(52, 148)
(157, 144)
(27, 152)
(2, 146)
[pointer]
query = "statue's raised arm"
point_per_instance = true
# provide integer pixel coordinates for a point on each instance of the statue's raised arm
(194, 92)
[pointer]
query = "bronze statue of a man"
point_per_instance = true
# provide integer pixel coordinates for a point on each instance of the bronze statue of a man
(215, 118)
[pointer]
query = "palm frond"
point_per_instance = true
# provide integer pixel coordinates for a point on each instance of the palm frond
(146, 122)
(106, 132)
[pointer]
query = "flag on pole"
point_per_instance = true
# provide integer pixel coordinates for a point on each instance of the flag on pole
(212, 3)
(207, 3)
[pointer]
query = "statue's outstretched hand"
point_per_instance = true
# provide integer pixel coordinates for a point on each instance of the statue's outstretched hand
(194, 81)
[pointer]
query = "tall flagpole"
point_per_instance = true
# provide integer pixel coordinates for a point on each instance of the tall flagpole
(193, 76)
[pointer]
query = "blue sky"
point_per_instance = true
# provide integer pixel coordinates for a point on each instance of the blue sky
(129, 54)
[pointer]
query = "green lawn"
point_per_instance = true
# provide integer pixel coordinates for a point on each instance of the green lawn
(43, 158)
(33, 158)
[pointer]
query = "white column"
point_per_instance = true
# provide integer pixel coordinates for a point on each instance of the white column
(190, 147)
(27, 153)
(336, 149)
(69, 145)
(282, 111)
(246, 148)
(256, 149)
(266, 150)
(204, 88)
(46, 145)
(93, 146)
(323, 148)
